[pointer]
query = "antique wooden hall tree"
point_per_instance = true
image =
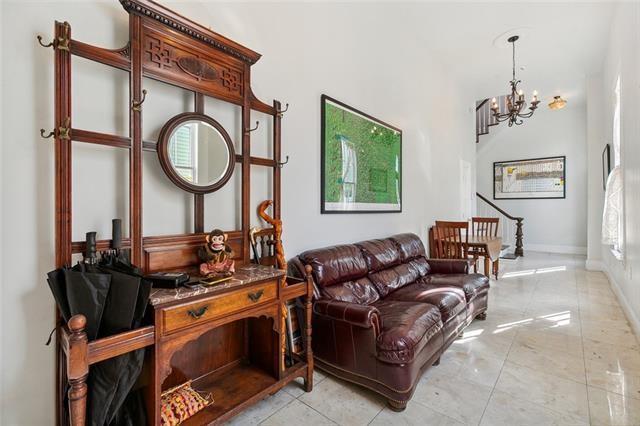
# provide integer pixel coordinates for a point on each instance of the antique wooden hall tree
(232, 335)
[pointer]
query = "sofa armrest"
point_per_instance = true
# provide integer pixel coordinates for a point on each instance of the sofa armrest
(359, 315)
(448, 266)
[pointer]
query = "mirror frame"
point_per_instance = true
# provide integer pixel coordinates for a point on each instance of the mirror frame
(165, 161)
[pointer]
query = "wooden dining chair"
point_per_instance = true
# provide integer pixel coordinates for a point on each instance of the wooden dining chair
(450, 242)
(484, 227)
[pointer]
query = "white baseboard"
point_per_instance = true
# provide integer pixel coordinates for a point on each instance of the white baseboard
(594, 265)
(622, 299)
(555, 249)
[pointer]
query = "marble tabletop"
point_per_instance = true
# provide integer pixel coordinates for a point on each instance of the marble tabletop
(244, 275)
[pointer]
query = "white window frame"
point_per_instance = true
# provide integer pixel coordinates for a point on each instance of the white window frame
(618, 250)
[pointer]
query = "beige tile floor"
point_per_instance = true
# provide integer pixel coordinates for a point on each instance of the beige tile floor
(555, 349)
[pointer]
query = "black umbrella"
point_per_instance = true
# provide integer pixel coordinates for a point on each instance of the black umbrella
(113, 296)
(111, 381)
(81, 290)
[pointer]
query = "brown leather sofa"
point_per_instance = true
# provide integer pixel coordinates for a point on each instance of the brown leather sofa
(383, 312)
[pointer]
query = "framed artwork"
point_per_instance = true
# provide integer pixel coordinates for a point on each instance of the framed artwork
(606, 165)
(533, 178)
(361, 161)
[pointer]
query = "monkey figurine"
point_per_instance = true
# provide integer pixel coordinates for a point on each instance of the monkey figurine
(217, 256)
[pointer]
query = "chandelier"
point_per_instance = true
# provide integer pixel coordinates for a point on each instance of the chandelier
(515, 103)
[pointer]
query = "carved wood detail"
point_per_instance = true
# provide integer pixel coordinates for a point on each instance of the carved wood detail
(169, 59)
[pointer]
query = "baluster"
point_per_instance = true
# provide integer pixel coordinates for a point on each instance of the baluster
(263, 251)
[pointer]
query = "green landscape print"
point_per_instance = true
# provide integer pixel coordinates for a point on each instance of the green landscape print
(362, 162)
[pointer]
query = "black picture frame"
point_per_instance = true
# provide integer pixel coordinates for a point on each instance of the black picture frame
(606, 165)
(564, 178)
(323, 102)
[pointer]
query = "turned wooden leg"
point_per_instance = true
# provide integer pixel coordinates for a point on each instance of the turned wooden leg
(487, 266)
(77, 370)
(482, 316)
(496, 267)
(396, 406)
(308, 381)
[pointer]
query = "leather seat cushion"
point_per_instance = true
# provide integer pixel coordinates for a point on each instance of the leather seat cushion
(379, 254)
(451, 301)
(473, 285)
(406, 328)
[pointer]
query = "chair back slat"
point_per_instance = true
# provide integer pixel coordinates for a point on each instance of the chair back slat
(449, 240)
(485, 226)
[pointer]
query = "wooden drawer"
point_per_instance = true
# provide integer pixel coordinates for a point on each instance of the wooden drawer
(186, 315)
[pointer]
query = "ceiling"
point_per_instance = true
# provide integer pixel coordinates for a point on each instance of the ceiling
(560, 43)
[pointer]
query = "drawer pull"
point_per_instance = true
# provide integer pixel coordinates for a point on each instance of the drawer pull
(197, 313)
(254, 297)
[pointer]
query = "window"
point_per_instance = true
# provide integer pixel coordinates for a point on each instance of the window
(183, 151)
(617, 137)
(613, 215)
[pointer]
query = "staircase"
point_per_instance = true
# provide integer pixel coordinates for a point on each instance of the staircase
(484, 115)
(510, 227)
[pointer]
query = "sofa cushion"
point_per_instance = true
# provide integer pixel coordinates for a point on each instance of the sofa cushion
(473, 285)
(390, 279)
(406, 328)
(360, 291)
(409, 245)
(450, 301)
(379, 254)
(335, 265)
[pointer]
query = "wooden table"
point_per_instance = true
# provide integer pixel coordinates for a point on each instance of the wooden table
(492, 247)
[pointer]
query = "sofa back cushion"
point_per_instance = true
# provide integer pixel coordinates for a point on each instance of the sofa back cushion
(387, 271)
(379, 254)
(340, 272)
(409, 245)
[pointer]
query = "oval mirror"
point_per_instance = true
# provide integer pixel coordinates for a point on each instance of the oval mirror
(196, 153)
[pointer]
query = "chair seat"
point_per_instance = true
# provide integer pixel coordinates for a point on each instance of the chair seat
(473, 285)
(407, 327)
(449, 300)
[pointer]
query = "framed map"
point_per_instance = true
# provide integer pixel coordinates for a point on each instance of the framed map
(361, 161)
(529, 179)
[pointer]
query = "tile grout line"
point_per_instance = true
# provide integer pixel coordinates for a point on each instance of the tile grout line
(493, 389)
(584, 356)
(377, 414)
(436, 411)
(323, 415)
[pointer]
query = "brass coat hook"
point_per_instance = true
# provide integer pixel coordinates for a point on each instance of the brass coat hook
(253, 129)
(61, 43)
(281, 112)
(42, 44)
(137, 105)
(51, 134)
(62, 132)
(281, 164)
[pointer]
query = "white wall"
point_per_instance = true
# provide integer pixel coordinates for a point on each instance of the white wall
(358, 53)
(556, 225)
(623, 59)
(596, 140)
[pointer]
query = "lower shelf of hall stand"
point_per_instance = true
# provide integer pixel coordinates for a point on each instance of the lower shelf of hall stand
(237, 388)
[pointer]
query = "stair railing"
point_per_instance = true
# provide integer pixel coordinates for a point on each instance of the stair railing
(510, 228)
